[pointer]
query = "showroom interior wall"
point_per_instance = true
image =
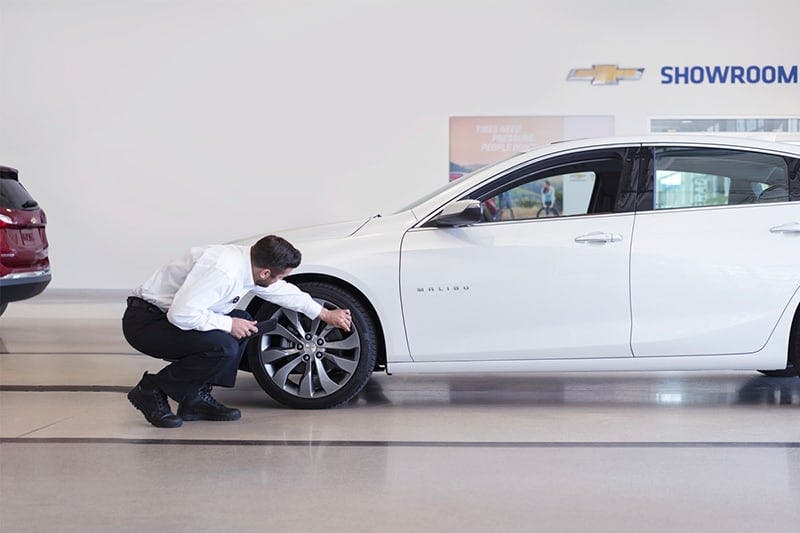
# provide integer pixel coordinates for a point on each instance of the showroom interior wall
(146, 127)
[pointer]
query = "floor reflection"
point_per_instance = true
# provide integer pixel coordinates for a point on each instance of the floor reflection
(770, 391)
(655, 389)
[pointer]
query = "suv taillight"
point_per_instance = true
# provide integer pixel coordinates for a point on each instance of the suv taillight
(4, 249)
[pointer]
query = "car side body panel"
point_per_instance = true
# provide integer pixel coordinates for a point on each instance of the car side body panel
(711, 280)
(772, 356)
(518, 290)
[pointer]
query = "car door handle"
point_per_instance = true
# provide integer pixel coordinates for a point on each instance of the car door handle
(791, 227)
(599, 238)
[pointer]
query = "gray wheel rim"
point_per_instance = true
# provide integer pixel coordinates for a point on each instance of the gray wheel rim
(308, 358)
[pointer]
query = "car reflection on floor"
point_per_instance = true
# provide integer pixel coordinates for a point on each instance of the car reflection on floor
(608, 389)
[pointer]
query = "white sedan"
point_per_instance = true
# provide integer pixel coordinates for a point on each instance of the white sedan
(654, 253)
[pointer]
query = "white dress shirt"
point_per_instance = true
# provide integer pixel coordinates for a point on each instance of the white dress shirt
(197, 290)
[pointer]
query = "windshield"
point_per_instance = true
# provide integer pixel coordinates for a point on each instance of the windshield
(428, 196)
(453, 183)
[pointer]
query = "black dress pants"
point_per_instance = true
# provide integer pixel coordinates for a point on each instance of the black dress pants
(198, 357)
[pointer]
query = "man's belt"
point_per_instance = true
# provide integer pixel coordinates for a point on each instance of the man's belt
(138, 303)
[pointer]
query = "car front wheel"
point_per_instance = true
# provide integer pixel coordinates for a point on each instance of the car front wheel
(307, 364)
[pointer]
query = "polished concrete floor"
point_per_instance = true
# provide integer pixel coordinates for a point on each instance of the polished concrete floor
(673, 451)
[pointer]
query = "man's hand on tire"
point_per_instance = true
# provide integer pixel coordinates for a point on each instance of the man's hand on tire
(338, 318)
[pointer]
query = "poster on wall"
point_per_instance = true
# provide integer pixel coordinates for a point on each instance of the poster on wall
(783, 129)
(479, 141)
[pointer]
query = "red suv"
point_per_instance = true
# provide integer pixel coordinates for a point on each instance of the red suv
(24, 266)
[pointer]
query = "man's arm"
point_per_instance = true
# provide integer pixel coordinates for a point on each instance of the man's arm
(287, 295)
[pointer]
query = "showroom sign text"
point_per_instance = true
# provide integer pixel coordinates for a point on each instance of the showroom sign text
(729, 74)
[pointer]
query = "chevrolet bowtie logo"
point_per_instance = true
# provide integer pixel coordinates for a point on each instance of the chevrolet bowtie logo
(604, 74)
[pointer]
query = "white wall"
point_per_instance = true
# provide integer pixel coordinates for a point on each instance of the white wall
(146, 127)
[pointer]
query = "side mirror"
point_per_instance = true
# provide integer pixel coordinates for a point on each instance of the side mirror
(461, 213)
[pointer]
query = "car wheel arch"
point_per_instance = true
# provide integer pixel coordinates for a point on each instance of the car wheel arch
(380, 363)
(792, 352)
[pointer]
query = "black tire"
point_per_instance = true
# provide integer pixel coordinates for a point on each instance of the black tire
(787, 372)
(349, 384)
(3, 307)
(794, 343)
(793, 364)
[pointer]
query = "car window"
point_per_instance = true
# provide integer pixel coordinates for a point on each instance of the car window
(14, 196)
(699, 177)
(568, 190)
(561, 195)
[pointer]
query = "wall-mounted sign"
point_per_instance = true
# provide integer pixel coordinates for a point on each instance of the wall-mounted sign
(693, 74)
(479, 141)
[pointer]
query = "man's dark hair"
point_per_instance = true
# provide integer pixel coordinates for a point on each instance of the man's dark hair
(274, 253)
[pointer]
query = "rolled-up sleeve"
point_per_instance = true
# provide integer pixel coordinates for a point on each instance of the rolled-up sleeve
(285, 294)
(203, 287)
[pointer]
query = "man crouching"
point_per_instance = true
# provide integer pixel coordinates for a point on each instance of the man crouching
(185, 313)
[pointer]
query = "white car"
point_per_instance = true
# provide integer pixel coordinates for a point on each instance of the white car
(662, 253)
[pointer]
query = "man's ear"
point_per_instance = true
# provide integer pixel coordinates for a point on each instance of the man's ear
(264, 273)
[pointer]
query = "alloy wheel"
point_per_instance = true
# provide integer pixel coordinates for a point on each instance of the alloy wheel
(309, 358)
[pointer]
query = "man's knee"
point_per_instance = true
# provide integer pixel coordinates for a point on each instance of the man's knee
(224, 343)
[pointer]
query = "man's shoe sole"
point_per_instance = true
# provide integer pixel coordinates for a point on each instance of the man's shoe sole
(157, 423)
(191, 417)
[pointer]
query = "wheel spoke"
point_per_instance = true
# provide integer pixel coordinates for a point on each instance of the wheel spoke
(315, 325)
(345, 364)
(294, 319)
(307, 384)
(282, 375)
(328, 385)
(345, 344)
(286, 334)
(327, 329)
(271, 355)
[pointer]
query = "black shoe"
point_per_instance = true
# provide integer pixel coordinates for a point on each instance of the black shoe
(203, 406)
(153, 404)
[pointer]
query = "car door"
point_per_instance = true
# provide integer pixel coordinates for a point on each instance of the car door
(716, 250)
(543, 276)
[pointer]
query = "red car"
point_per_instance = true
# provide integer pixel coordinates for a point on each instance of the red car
(24, 266)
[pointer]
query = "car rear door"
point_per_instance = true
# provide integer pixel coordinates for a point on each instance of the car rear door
(716, 249)
(541, 285)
